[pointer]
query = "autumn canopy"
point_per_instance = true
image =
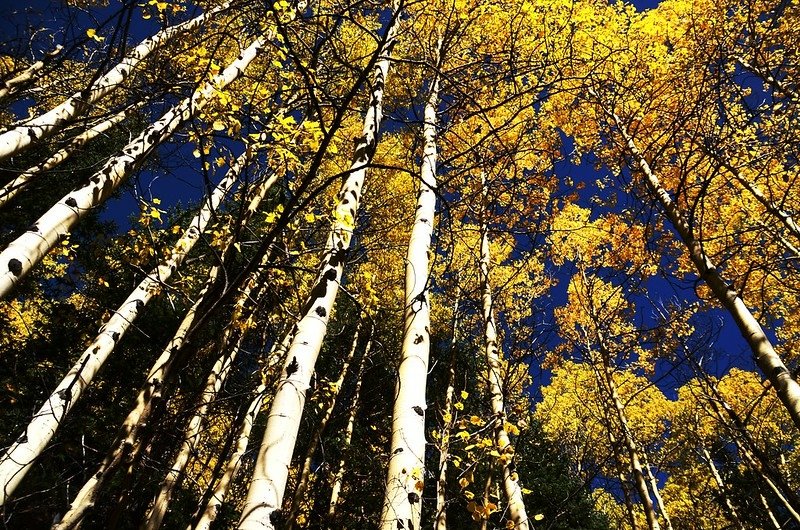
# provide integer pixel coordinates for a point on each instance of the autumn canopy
(400, 265)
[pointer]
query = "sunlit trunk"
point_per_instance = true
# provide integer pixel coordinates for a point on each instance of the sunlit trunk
(268, 484)
(19, 457)
(402, 503)
(52, 121)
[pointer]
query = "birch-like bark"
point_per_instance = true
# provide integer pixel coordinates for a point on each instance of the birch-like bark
(230, 346)
(338, 477)
(305, 470)
(17, 460)
(25, 251)
(402, 505)
(764, 353)
(212, 508)
(610, 387)
(440, 522)
(768, 78)
(651, 479)
(265, 494)
(20, 182)
(127, 445)
(11, 86)
(775, 523)
(723, 490)
(755, 458)
(52, 121)
(511, 486)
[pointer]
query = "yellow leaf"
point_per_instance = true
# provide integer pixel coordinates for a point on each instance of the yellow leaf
(92, 34)
(218, 126)
(464, 394)
(538, 517)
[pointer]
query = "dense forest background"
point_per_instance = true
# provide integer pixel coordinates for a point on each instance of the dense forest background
(399, 265)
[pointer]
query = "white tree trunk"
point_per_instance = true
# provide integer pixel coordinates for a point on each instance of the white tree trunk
(764, 353)
(232, 338)
(511, 485)
(214, 504)
(440, 522)
(47, 124)
(127, 441)
(402, 505)
(305, 471)
(11, 86)
(18, 458)
(25, 251)
(267, 487)
(338, 477)
(19, 183)
(722, 489)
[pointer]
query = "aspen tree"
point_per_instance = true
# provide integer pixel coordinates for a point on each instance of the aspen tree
(267, 487)
(304, 473)
(511, 486)
(338, 477)
(402, 507)
(212, 507)
(19, 183)
(29, 248)
(17, 459)
(12, 85)
(127, 445)
(722, 487)
(52, 121)
(230, 346)
(766, 358)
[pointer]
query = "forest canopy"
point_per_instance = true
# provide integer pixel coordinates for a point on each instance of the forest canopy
(521, 264)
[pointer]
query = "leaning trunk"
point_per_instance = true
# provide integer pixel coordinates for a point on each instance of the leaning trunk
(764, 353)
(265, 494)
(15, 463)
(29, 248)
(52, 121)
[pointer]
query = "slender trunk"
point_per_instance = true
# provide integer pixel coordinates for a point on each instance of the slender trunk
(52, 121)
(613, 443)
(651, 479)
(511, 486)
(230, 346)
(305, 470)
(440, 523)
(338, 478)
(402, 503)
(265, 495)
(16, 461)
(19, 183)
(767, 359)
(771, 515)
(768, 78)
(757, 460)
(627, 438)
(212, 507)
(9, 87)
(25, 251)
(723, 490)
(127, 444)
